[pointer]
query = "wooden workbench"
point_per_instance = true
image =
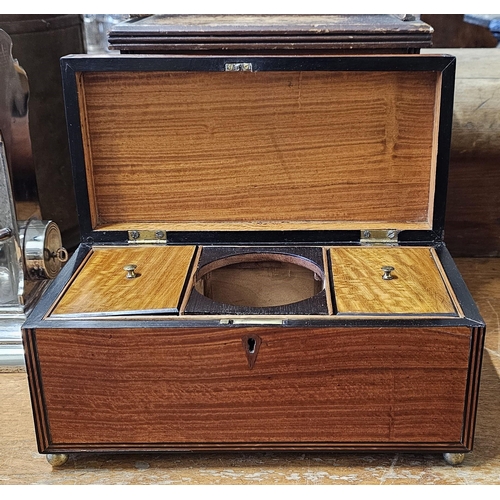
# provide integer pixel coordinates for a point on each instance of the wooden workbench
(21, 464)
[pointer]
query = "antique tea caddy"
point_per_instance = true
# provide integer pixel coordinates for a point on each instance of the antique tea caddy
(262, 264)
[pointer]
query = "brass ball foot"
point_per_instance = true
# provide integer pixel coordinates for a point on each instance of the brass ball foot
(454, 458)
(57, 459)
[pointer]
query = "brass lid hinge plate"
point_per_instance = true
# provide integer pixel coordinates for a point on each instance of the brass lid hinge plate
(147, 237)
(379, 237)
(238, 67)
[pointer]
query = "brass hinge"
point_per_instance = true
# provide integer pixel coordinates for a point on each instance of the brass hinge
(144, 237)
(238, 67)
(379, 237)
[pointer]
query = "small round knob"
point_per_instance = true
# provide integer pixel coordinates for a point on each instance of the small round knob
(387, 272)
(130, 268)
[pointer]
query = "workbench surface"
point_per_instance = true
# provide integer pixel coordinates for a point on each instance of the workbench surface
(21, 464)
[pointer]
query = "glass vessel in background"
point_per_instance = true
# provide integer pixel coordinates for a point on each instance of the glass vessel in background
(96, 30)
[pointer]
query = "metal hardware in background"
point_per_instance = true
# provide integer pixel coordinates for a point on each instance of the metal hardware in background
(5, 233)
(39, 159)
(11, 268)
(387, 273)
(14, 126)
(11, 274)
(42, 247)
(30, 249)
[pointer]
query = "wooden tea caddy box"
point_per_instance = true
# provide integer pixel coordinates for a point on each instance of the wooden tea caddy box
(262, 264)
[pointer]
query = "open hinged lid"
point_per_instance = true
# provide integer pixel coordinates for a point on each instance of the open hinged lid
(242, 149)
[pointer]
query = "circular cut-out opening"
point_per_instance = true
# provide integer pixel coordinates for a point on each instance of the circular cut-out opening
(260, 280)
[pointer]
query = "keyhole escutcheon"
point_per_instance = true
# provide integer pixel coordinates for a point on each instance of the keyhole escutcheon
(251, 344)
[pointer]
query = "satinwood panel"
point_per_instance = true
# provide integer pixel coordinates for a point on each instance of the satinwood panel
(102, 287)
(183, 386)
(211, 150)
(417, 287)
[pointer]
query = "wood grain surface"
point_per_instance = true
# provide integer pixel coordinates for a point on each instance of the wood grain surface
(178, 387)
(260, 149)
(418, 287)
(101, 287)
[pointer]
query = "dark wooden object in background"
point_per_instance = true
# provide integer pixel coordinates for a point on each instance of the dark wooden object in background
(38, 42)
(276, 34)
(489, 21)
(473, 204)
(452, 31)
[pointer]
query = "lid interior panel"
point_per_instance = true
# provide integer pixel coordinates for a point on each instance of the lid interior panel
(263, 150)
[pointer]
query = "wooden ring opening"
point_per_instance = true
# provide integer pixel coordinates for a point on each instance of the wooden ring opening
(260, 280)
